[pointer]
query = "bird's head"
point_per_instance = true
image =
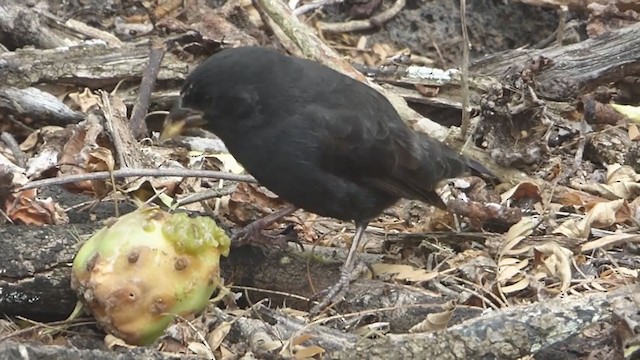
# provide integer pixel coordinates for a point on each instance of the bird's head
(226, 89)
(203, 94)
(195, 98)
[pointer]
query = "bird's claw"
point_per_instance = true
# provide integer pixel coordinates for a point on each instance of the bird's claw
(336, 293)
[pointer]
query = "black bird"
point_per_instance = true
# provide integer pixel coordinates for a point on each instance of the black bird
(319, 139)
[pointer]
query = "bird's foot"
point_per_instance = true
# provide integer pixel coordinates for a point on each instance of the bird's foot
(336, 293)
(252, 234)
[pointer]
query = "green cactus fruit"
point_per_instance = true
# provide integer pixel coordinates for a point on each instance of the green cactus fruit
(135, 275)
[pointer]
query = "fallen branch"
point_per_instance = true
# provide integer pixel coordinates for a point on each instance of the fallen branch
(124, 173)
(507, 334)
(37, 105)
(137, 122)
(359, 25)
(573, 69)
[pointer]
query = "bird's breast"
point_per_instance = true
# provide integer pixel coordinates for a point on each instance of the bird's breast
(289, 167)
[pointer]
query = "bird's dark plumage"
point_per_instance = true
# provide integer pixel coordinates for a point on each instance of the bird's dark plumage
(317, 138)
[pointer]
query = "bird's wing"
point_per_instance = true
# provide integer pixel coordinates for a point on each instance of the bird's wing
(384, 152)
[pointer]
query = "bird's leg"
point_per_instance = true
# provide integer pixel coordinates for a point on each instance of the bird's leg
(338, 290)
(252, 233)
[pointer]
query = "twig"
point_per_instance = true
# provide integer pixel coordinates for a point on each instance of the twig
(123, 173)
(204, 195)
(137, 122)
(116, 139)
(37, 325)
(562, 24)
(359, 25)
(312, 6)
(268, 291)
(81, 28)
(464, 67)
(577, 160)
(18, 154)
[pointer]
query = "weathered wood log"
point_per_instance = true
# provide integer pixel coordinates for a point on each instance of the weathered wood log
(507, 334)
(91, 65)
(35, 267)
(20, 26)
(36, 105)
(572, 69)
(12, 350)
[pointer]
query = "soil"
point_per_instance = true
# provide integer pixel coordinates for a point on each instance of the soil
(432, 28)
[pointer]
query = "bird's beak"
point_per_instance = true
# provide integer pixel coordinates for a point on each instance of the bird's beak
(179, 120)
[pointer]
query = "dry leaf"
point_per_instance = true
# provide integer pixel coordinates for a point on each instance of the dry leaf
(622, 183)
(404, 272)
(524, 190)
(518, 286)
(76, 155)
(227, 354)
(300, 339)
(578, 198)
(113, 342)
(11, 175)
(518, 232)
(85, 100)
(35, 137)
(228, 162)
(608, 241)
(100, 159)
(507, 272)
(201, 350)
(217, 335)
(24, 207)
(620, 173)
(602, 215)
(375, 328)
(631, 112)
(433, 322)
(308, 352)
(250, 201)
(634, 133)
(620, 275)
(555, 261)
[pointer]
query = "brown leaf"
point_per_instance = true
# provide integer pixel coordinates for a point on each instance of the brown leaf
(249, 202)
(25, 208)
(524, 190)
(81, 153)
(85, 100)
